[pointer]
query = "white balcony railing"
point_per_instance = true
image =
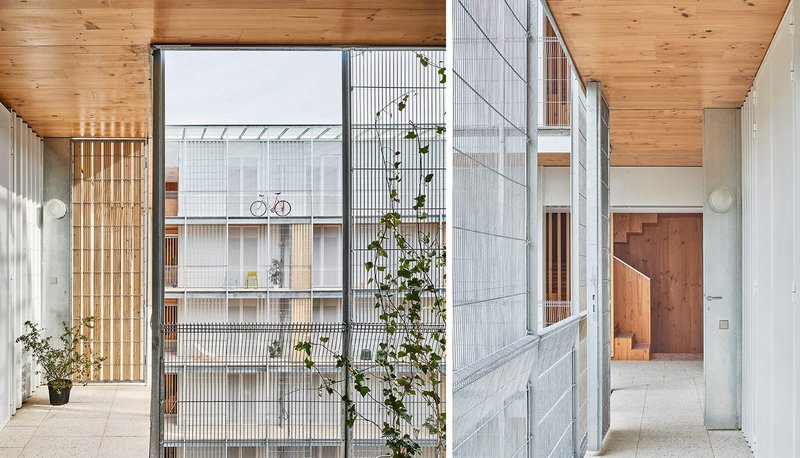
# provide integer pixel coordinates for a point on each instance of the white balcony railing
(263, 277)
(232, 204)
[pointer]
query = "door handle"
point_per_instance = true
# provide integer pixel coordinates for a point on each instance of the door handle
(713, 298)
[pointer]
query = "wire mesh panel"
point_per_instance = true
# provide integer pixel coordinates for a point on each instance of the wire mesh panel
(598, 266)
(250, 281)
(223, 175)
(505, 434)
(555, 389)
(246, 384)
(579, 254)
(257, 269)
(390, 169)
(491, 351)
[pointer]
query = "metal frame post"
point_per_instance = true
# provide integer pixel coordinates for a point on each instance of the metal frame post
(157, 259)
(346, 235)
(532, 197)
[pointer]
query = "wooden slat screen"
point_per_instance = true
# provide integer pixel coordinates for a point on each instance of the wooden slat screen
(557, 80)
(108, 251)
(557, 257)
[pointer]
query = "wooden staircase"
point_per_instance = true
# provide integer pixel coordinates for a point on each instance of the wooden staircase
(626, 349)
(627, 224)
(631, 313)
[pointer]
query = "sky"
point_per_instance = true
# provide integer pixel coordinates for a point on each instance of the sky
(253, 87)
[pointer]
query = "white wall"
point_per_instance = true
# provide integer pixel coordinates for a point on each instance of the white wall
(635, 188)
(770, 168)
(20, 254)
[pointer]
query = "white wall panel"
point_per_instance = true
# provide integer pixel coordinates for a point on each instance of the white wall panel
(20, 254)
(635, 187)
(6, 325)
(770, 252)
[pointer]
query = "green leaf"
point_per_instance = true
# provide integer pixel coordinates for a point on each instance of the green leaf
(428, 178)
(424, 149)
(411, 134)
(324, 339)
(363, 390)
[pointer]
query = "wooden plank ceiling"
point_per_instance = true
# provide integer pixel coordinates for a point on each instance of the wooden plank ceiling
(82, 67)
(662, 61)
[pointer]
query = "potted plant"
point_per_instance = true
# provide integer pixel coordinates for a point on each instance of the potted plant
(275, 349)
(276, 273)
(61, 366)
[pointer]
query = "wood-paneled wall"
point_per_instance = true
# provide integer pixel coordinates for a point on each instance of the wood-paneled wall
(670, 252)
(108, 253)
(631, 302)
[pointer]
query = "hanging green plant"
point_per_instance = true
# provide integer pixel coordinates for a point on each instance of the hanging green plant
(405, 271)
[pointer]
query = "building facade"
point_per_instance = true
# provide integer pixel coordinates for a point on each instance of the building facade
(254, 264)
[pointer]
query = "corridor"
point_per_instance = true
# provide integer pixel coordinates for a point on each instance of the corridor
(657, 411)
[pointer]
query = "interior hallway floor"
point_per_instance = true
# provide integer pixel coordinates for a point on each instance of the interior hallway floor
(99, 421)
(657, 411)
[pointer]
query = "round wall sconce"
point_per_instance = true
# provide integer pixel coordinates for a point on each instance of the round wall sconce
(721, 200)
(56, 208)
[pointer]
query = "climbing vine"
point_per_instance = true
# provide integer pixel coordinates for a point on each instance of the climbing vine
(405, 275)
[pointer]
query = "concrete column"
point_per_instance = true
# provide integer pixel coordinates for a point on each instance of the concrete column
(722, 267)
(56, 237)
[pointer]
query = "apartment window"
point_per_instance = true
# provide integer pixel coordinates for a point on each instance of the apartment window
(327, 256)
(326, 178)
(244, 452)
(242, 311)
(246, 400)
(326, 311)
(242, 179)
(243, 271)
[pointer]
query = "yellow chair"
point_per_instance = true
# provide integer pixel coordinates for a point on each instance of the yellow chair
(251, 280)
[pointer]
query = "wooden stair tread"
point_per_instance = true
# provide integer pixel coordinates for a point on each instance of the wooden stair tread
(623, 335)
(641, 346)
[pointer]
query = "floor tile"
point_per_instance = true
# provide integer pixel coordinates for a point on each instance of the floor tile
(124, 447)
(16, 436)
(62, 447)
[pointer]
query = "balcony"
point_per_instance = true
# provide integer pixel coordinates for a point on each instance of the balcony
(230, 204)
(252, 278)
(246, 382)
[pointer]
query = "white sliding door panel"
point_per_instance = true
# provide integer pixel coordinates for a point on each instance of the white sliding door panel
(6, 324)
(20, 254)
(770, 380)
